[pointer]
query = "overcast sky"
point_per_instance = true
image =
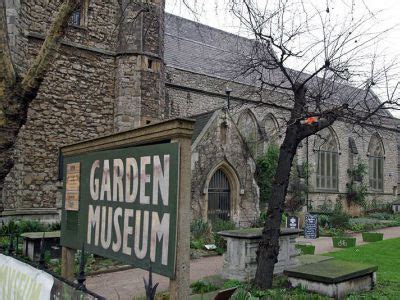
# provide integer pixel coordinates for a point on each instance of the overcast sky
(215, 13)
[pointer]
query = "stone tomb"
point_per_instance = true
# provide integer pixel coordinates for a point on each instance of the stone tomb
(333, 278)
(32, 241)
(240, 257)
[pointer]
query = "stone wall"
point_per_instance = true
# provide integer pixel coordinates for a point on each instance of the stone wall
(189, 93)
(220, 146)
(108, 76)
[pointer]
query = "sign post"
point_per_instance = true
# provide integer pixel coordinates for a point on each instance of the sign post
(127, 197)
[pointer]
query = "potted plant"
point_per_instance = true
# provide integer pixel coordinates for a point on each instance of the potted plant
(372, 236)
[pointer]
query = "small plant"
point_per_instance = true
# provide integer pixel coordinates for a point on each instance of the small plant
(202, 287)
(199, 228)
(197, 244)
(231, 283)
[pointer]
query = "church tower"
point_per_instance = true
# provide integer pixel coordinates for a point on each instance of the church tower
(139, 79)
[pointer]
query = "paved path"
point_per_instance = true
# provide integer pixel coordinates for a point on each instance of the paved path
(128, 284)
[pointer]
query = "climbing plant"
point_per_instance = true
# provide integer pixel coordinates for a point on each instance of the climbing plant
(356, 189)
(265, 171)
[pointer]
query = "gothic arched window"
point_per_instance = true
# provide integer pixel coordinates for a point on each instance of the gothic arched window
(271, 128)
(375, 170)
(248, 128)
(327, 156)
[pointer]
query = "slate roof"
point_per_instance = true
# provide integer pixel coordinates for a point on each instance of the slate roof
(201, 122)
(202, 49)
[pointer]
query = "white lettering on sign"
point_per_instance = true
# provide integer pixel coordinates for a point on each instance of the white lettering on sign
(143, 232)
(21, 281)
(131, 180)
(94, 182)
(144, 178)
(161, 179)
(128, 173)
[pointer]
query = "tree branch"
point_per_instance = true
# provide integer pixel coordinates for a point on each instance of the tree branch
(34, 76)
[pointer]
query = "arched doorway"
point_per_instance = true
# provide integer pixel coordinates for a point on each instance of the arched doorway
(219, 197)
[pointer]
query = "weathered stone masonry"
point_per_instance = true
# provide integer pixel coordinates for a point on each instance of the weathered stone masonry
(95, 85)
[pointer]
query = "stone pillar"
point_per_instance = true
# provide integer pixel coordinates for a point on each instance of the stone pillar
(179, 286)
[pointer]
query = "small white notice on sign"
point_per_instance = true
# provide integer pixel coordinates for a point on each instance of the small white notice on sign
(21, 281)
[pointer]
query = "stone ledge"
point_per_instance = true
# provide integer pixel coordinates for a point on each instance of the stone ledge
(255, 233)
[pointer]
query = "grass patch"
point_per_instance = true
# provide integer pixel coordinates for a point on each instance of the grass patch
(385, 254)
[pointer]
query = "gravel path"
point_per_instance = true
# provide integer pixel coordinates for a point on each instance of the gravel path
(128, 284)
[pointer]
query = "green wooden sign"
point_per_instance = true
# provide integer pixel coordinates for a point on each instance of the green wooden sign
(122, 204)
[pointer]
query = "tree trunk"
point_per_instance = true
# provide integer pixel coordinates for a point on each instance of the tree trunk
(268, 250)
(16, 94)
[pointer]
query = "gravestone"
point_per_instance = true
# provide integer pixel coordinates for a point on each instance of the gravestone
(311, 226)
(292, 222)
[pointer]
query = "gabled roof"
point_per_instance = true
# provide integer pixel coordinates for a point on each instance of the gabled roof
(201, 122)
(202, 49)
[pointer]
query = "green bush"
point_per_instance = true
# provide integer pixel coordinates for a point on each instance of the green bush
(381, 215)
(339, 218)
(202, 287)
(324, 220)
(22, 226)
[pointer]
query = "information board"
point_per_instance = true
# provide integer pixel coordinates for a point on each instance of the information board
(311, 226)
(122, 204)
(292, 222)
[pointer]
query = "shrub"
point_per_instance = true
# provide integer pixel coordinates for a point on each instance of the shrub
(381, 215)
(324, 220)
(339, 218)
(202, 286)
(22, 226)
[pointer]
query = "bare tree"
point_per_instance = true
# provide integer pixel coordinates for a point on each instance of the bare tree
(17, 91)
(331, 84)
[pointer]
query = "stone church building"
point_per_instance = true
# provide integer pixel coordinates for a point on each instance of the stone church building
(121, 67)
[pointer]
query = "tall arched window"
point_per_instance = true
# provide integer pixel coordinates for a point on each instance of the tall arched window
(219, 197)
(248, 128)
(271, 128)
(327, 160)
(375, 171)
